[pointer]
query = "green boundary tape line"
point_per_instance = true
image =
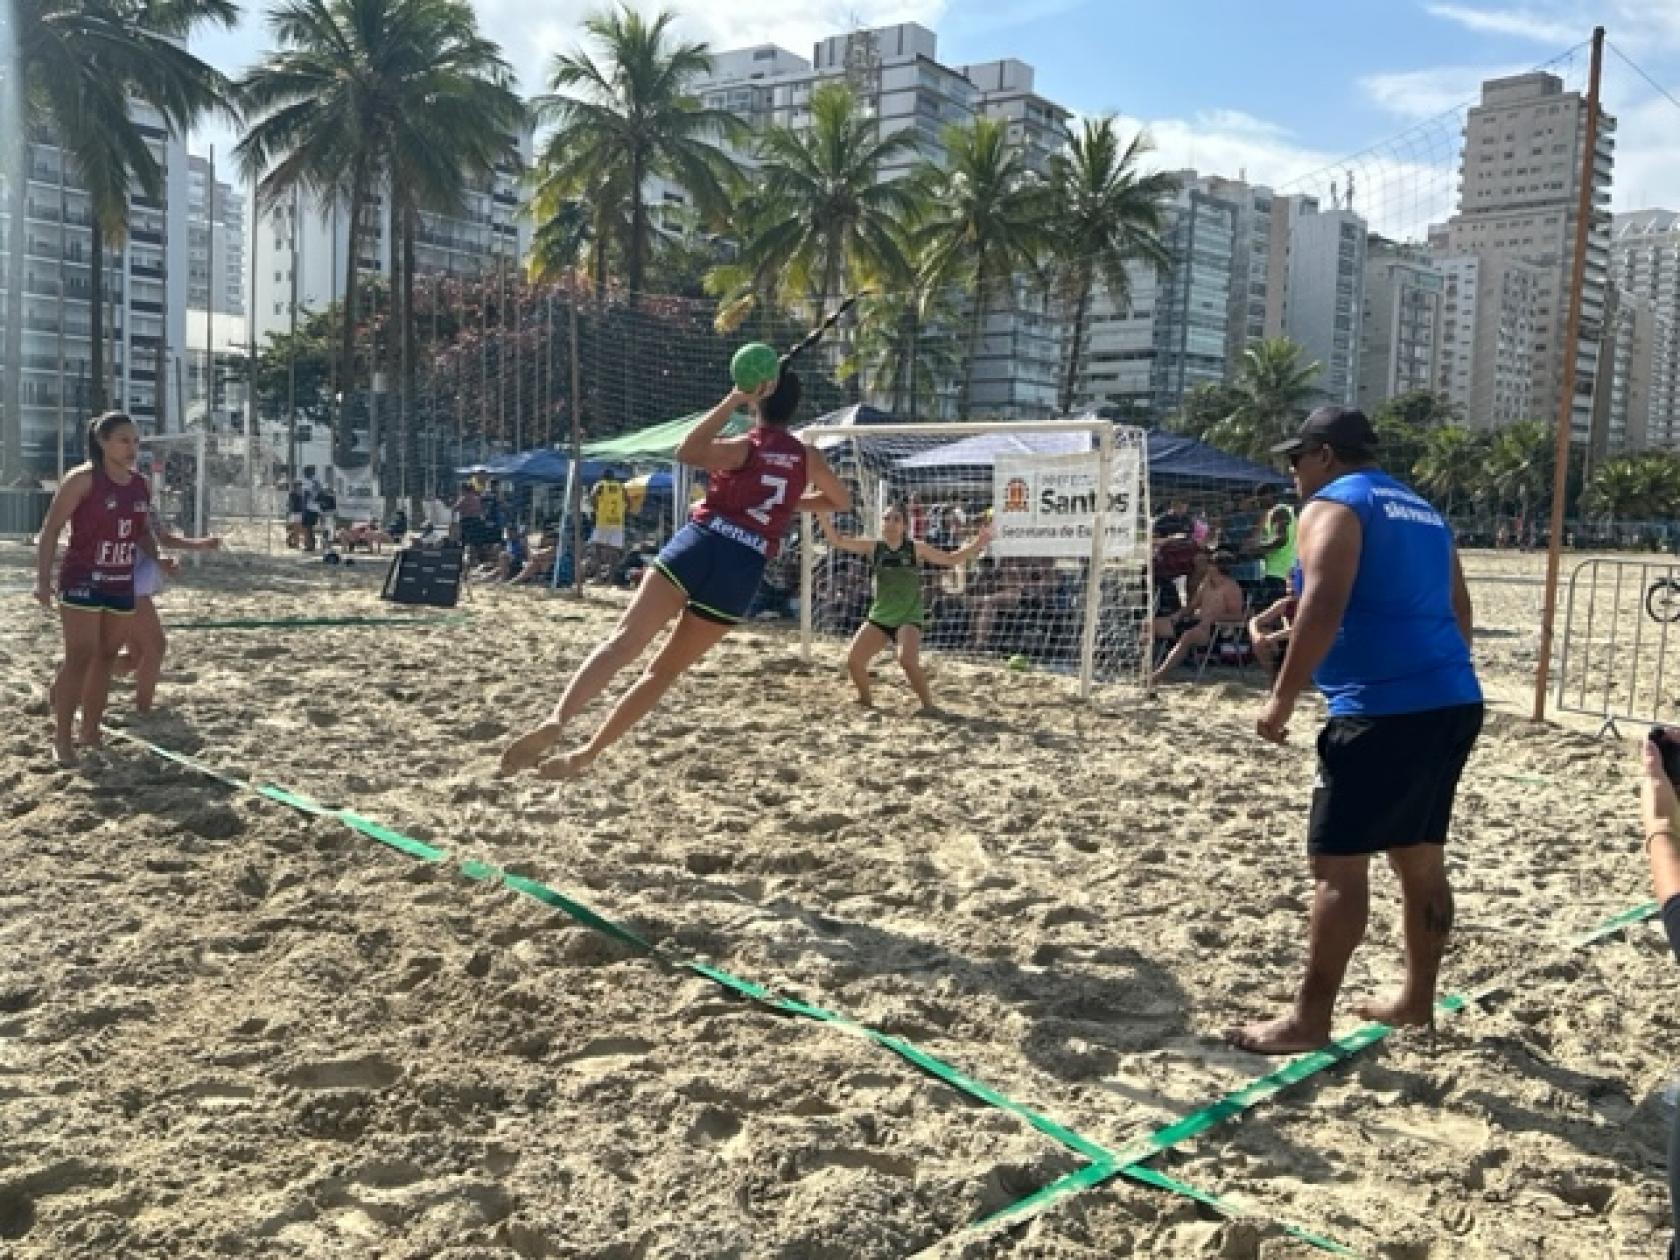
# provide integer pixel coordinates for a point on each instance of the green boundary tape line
(292, 623)
(1129, 1160)
(1102, 1165)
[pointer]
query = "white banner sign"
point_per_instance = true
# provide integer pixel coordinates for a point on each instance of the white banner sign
(1046, 505)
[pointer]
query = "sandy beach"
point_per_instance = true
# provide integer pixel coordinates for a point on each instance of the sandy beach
(230, 1028)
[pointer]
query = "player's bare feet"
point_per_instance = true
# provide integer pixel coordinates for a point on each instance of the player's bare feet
(92, 739)
(864, 702)
(64, 754)
(1397, 1014)
(1277, 1036)
(528, 749)
(570, 765)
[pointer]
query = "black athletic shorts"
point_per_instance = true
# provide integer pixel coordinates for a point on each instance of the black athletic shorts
(1388, 782)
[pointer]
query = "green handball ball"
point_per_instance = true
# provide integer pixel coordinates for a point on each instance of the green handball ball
(755, 364)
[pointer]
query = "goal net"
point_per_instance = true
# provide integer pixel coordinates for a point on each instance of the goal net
(216, 484)
(1063, 586)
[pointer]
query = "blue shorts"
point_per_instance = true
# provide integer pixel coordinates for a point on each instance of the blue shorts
(719, 576)
(83, 596)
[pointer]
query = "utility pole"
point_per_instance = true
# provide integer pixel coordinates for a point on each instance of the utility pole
(1584, 211)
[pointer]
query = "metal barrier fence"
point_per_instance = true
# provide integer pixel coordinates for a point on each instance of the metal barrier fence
(1620, 655)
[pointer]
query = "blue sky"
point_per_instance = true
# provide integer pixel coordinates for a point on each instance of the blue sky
(1278, 90)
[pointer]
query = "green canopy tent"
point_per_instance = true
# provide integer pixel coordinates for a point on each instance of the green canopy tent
(657, 444)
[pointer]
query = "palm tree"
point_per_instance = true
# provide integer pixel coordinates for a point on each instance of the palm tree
(893, 355)
(1276, 388)
(1519, 465)
(369, 97)
(1446, 469)
(1106, 216)
(832, 213)
(985, 224)
(81, 61)
(628, 118)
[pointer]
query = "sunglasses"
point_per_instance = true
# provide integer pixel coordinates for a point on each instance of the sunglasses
(1296, 457)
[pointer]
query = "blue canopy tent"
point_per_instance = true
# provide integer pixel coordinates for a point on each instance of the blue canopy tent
(1174, 458)
(542, 466)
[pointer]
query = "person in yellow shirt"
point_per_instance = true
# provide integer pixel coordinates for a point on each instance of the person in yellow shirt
(610, 502)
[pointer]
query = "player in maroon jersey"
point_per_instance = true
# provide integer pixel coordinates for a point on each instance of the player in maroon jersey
(706, 576)
(106, 504)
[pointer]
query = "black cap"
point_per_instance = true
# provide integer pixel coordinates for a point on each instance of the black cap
(1344, 428)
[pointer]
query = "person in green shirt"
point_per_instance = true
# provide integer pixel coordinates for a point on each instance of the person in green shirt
(1277, 552)
(896, 614)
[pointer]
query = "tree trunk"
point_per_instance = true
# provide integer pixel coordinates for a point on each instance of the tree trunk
(976, 322)
(391, 438)
(416, 478)
(638, 227)
(344, 441)
(11, 379)
(1081, 313)
(96, 319)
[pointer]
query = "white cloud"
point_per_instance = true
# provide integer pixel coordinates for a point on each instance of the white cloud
(1427, 93)
(1523, 23)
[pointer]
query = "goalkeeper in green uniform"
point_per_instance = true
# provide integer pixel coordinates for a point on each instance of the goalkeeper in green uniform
(895, 616)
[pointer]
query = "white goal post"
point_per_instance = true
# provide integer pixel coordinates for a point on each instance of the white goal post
(176, 469)
(1065, 584)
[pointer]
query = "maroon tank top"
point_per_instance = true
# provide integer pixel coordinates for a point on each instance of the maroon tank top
(105, 533)
(760, 497)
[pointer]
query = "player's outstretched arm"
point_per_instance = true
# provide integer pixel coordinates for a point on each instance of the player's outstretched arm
(843, 542)
(929, 554)
(824, 492)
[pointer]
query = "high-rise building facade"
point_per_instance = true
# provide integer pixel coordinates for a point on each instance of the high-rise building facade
(1520, 178)
(1489, 312)
(145, 283)
(1325, 302)
(1621, 414)
(311, 244)
(215, 242)
(1645, 260)
(1400, 331)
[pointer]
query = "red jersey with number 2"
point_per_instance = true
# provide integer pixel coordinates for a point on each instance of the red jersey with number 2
(761, 495)
(105, 533)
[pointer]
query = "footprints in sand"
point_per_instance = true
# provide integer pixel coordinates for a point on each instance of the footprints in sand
(362, 1072)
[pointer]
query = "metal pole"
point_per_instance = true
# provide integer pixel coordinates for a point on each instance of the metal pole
(210, 294)
(1584, 211)
(1093, 580)
(63, 302)
(429, 482)
(548, 354)
(807, 541)
(291, 357)
(518, 368)
(577, 457)
(501, 350)
(251, 352)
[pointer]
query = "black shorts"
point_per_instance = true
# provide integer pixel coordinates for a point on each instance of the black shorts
(892, 631)
(1389, 782)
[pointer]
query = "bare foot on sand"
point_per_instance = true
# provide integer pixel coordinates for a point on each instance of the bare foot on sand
(1397, 1014)
(1277, 1036)
(529, 748)
(65, 755)
(570, 765)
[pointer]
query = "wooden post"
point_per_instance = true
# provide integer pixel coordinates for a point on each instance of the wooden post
(1584, 211)
(576, 505)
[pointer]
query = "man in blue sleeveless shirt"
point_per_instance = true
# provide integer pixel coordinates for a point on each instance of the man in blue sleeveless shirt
(1384, 630)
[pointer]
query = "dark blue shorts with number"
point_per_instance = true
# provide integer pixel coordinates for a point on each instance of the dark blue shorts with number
(83, 595)
(718, 575)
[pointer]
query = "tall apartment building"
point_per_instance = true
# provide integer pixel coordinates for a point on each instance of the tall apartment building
(1325, 301)
(215, 235)
(1400, 330)
(1259, 263)
(1490, 310)
(313, 243)
(145, 283)
(1173, 336)
(896, 76)
(1524, 146)
(1645, 260)
(1621, 413)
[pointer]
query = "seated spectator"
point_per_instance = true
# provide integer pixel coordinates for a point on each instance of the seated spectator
(1173, 522)
(1218, 599)
(294, 516)
(363, 536)
(1174, 558)
(1014, 586)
